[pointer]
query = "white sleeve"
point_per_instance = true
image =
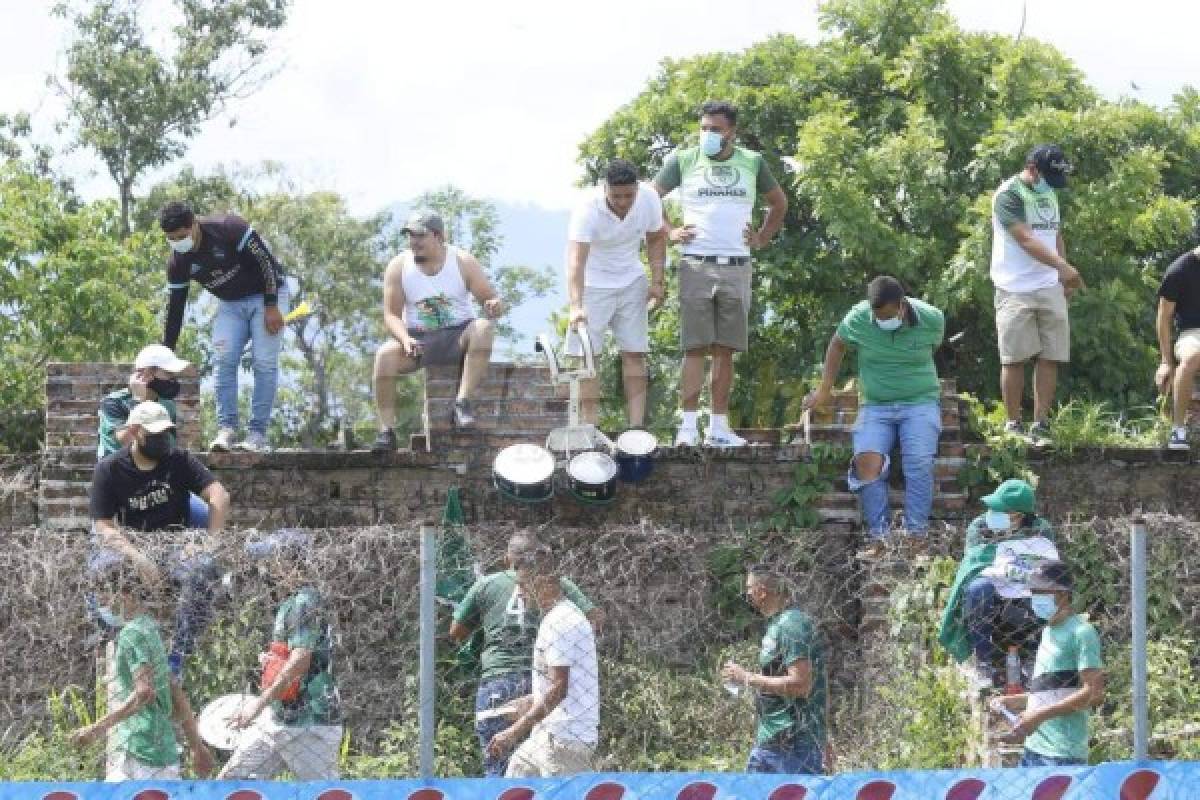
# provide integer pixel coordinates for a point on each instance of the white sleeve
(652, 220)
(566, 647)
(579, 229)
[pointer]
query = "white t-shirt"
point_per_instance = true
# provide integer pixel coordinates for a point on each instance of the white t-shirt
(1014, 563)
(613, 259)
(565, 639)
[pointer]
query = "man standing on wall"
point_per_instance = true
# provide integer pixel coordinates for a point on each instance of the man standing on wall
(790, 685)
(718, 184)
(227, 257)
(606, 282)
(1179, 302)
(427, 292)
(1033, 281)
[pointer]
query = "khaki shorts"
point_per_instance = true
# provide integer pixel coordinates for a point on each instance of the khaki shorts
(622, 311)
(714, 304)
(1032, 324)
(121, 767)
(1187, 345)
(546, 756)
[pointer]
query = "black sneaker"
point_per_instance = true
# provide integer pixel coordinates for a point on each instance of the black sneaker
(463, 418)
(385, 442)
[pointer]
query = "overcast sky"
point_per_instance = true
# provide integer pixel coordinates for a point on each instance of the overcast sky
(382, 100)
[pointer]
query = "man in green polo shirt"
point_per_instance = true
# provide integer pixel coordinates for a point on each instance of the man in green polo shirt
(509, 621)
(790, 686)
(895, 336)
(718, 185)
(148, 701)
(1068, 677)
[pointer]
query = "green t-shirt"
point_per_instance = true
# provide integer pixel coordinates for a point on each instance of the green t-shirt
(896, 366)
(791, 636)
(114, 411)
(509, 621)
(148, 735)
(1065, 651)
(301, 622)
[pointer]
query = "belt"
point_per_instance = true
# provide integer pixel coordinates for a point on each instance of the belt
(724, 261)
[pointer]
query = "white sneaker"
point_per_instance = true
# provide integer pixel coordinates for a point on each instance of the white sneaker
(687, 437)
(1179, 439)
(224, 441)
(723, 439)
(254, 443)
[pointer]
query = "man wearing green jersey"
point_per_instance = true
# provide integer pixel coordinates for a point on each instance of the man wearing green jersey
(718, 185)
(790, 686)
(1033, 281)
(148, 701)
(509, 620)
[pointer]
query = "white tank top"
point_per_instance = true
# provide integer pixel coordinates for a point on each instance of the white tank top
(435, 301)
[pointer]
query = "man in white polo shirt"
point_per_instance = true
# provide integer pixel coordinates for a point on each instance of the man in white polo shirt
(606, 282)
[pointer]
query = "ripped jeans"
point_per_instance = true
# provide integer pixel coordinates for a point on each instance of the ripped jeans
(917, 426)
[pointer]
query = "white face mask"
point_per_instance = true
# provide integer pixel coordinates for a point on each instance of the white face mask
(997, 520)
(711, 143)
(183, 245)
(892, 324)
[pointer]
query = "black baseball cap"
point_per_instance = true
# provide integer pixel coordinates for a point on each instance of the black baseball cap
(1052, 162)
(1051, 576)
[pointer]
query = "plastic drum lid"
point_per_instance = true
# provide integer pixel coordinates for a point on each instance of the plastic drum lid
(213, 721)
(524, 464)
(637, 443)
(592, 468)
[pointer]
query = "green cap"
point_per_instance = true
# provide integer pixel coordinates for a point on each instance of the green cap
(1012, 495)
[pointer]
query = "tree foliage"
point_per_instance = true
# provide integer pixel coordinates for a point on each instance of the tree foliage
(890, 135)
(136, 104)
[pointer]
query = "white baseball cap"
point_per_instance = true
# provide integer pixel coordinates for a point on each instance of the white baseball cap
(159, 355)
(150, 415)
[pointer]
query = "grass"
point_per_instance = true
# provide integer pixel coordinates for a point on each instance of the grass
(1085, 424)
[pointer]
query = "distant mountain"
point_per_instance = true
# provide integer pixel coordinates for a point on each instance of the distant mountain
(535, 237)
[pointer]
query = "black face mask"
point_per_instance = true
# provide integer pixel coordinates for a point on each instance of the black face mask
(156, 446)
(166, 388)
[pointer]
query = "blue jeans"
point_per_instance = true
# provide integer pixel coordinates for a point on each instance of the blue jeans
(984, 610)
(197, 512)
(1031, 759)
(238, 322)
(493, 693)
(196, 577)
(917, 426)
(802, 758)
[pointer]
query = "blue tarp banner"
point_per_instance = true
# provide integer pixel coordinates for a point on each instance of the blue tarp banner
(1152, 780)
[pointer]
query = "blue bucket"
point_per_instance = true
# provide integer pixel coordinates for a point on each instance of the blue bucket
(635, 455)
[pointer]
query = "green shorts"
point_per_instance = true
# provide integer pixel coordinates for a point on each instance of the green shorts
(714, 304)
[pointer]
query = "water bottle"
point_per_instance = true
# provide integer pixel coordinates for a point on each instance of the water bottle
(1012, 671)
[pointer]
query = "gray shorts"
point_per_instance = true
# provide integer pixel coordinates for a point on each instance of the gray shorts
(714, 304)
(441, 347)
(622, 311)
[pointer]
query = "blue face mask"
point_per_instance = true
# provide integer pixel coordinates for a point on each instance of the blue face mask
(1040, 186)
(711, 143)
(1045, 606)
(892, 324)
(997, 520)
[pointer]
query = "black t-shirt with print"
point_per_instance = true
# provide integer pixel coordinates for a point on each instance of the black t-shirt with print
(152, 500)
(1181, 285)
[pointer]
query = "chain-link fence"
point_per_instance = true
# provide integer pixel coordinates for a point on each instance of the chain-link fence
(657, 651)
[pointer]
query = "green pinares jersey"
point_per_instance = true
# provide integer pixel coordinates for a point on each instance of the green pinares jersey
(717, 196)
(302, 622)
(148, 735)
(792, 636)
(509, 621)
(1015, 203)
(1066, 650)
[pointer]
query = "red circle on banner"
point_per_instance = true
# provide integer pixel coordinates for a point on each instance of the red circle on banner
(59, 794)
(427, 794)
(605, 791)
(789, 791)
(1052, 788)
(1139, 785)
(335, 794)
(876, 790)
(243, 794)
(700, 790)
(152, 794)
(517, 793)
(966, 789)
